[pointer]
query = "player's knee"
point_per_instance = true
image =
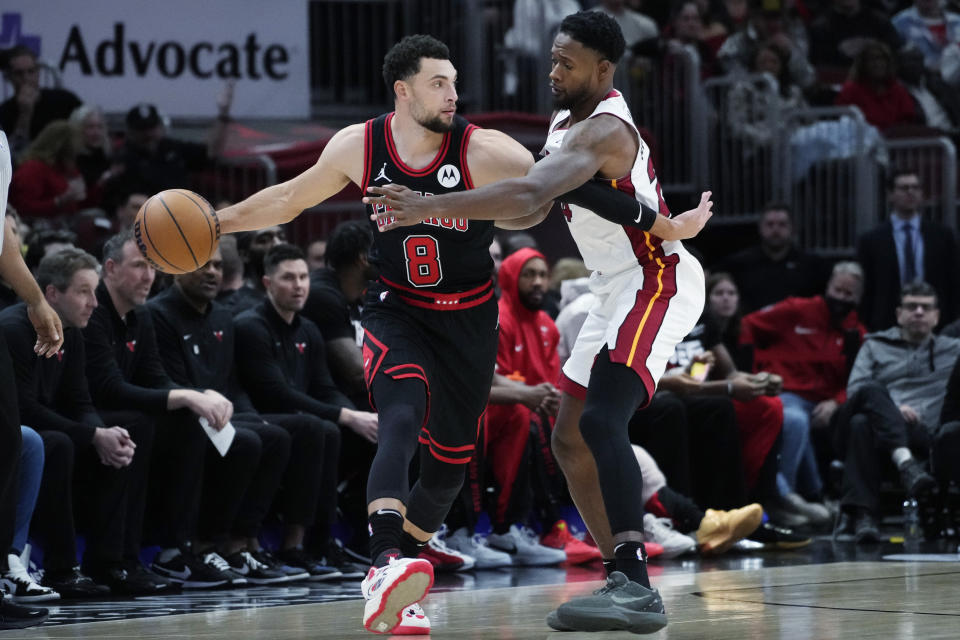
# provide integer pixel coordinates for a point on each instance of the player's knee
(596, 426)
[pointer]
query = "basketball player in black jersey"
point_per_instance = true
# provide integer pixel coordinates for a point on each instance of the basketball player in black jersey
(430, 321)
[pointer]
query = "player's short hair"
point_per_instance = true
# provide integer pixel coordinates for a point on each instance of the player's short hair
(281, 253)
(347, 243)
(59, 268)
(113, 248)
(403, 59)
(598, 31)
(920, 290)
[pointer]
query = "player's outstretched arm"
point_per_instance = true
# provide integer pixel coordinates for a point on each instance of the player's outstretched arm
(340, 162)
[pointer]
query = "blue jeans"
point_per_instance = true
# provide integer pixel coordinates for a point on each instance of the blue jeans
(798, 464)
(31, 473)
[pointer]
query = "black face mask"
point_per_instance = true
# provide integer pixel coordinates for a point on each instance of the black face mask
(839, 309)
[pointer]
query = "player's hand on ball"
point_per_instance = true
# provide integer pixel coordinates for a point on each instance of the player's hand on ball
(402, 207)
(689, 223)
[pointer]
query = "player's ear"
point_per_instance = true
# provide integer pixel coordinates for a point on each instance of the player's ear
(401, 89)
(605, 69)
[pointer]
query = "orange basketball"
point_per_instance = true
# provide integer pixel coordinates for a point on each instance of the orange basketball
(177, 231)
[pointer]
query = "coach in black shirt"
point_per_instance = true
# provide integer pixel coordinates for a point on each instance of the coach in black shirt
(55, 402)
(282, 364)
(125, 373)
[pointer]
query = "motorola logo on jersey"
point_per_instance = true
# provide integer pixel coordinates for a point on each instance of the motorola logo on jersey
(448, 176)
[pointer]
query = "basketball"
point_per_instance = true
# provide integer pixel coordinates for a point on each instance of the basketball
(177, 231)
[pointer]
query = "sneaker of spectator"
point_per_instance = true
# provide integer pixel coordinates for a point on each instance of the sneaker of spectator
(915, 480)
(774, 537)
(444, 558)
(73, 584)
(524, 548)
(297, 557)
(844, 529)
(866, 529)
(661, 531)
(267, 558)
(337, 558)
(256, 572)
(128, 578)
(191, 572)
(476, 546)
(20, 586)
(578, 551)
(720, 530)
(13, 616)
(783, 513)
(818, 514)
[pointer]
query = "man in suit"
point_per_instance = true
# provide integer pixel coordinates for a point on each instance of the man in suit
(906, 249)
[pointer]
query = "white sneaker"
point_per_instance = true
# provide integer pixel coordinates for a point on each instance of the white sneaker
(477, 547)
(444, 558)
(525, 549)
(21, 586)
(391, 589)
(413, 622)
(661, 531)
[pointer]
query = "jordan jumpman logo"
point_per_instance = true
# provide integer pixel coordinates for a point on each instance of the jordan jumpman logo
(382, 174)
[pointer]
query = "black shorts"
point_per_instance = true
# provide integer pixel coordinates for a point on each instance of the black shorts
(453, 352)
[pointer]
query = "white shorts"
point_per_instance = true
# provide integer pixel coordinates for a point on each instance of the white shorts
(640, 314)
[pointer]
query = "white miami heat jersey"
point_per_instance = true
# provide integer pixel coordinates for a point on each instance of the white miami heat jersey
(605, 246)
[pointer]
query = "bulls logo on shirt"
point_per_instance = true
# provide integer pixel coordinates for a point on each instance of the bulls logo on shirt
(218, 335)
(132, 346)
(301, 346)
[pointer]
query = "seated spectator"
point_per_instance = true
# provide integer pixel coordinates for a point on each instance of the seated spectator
(929, 28)
(635, 26)
(196, 339)
(839, 34)
(316, 255)
(523, 405)
(723, 312)
(30, 109)
(756, 108)
(775, 268)
(55, 402)
(565, 269)
(153, 161)
(18, 584)
(683, 33)
(772, 28)
(47, 184)
(45, 242)
(282, 364)
(873, 87)
(895, 396)
(936, 102)
(809, 343)
(252, 246)
(924, 250)
(721, 18)
(129, 386)
(945, 450)
(232, 268)
(94, 152)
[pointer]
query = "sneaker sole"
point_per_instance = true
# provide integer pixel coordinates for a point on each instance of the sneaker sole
(612, 619)
(409, 588)
(553, 621)
(334, 575)
(45, 597)
(212, 584)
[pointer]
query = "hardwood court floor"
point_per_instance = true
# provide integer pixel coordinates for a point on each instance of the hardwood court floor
(846, 599)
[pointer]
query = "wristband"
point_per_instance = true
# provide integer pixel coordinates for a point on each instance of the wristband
(611, 204)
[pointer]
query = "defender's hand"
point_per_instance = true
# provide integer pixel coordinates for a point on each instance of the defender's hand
(404, 207)
(689, 223)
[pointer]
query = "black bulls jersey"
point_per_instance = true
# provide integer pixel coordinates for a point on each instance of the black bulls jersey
(439, 255)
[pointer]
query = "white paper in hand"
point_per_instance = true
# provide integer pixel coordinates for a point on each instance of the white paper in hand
(221, 439)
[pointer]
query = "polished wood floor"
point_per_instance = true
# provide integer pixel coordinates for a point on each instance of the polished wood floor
(846, 599)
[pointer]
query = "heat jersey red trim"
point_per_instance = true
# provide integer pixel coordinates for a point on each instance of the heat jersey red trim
(367, 154)
(467, 180)
(395, 157)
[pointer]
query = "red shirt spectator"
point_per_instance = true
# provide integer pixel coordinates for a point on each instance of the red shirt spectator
(48, 184)
(874, 88)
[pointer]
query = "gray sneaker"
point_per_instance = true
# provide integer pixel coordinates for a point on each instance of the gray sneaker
(618, 605)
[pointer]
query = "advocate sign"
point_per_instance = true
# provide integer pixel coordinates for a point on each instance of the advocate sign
(177, 54)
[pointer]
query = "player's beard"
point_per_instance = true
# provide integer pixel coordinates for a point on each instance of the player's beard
(571, 98)
(430, 123)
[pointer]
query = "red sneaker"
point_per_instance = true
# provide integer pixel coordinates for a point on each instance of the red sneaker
(653, 549)
(577, 551)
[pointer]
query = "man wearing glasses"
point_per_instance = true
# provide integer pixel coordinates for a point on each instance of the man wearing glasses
(30, 108)
(895, 394)
(924, 251)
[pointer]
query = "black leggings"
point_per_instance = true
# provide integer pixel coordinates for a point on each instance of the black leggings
(10, 442)
(402, 408)
(613, 395)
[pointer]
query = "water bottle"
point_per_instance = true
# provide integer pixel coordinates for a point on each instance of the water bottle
(911, 522)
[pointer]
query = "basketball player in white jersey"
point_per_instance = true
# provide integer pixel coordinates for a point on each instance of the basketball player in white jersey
(650, 293)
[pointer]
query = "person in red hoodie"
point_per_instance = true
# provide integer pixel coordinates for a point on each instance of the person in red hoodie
(520, 416)
(810, 343)
(874, 88)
